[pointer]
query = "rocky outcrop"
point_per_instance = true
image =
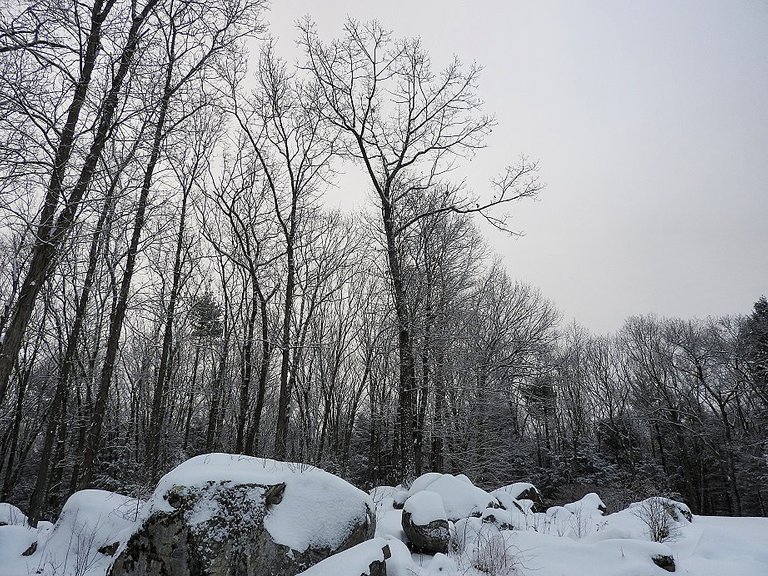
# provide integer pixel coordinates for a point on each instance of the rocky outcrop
(228, 526)
(425, 523)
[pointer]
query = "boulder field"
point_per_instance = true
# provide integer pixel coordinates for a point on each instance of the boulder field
(231, 515)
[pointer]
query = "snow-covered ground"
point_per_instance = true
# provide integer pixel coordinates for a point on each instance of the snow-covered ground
(578, 539)
(89, 521)
(709, 546)
(490, 535)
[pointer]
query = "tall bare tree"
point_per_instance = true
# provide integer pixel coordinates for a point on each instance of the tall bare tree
(407, 125)
(197, 38)
(294, 148)
(52, 227)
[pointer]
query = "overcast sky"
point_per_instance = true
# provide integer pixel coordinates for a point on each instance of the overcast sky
(650, 123)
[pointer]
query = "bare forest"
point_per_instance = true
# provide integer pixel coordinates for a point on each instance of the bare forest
(172, 282)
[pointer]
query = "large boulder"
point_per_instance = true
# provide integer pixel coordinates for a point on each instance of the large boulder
(221, 514)
(425, 523)
(520, 491)
(461, 498)
(590, 505)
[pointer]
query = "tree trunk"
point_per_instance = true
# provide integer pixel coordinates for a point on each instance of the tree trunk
(252, 443)
(118, 315)
(436, 455)
(155, 418)
(245, 383)
(218, 383)
(50, 235)
(406, 445)
(57, 409)
(281, 435)
(191, 396)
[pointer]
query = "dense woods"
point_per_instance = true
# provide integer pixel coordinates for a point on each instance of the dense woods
(171, 282)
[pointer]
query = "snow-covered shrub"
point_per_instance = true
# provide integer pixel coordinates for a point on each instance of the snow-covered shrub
(494, 555)
(481, 547)
(661, 517)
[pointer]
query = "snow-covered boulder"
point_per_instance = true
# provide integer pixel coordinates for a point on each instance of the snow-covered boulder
(97, 520)
(11, 516)
(383, 497)
(425, 523)
(466, 531)
(460, 497)
(656, 518)
(590, 505)
(677, 511)
(520, 491)
(560, 521)
(376, 557)
(366, 559)
(226, 514)
(499, 517)
(91, 525)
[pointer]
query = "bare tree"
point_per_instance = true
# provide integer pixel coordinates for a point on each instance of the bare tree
(406, 125)
(239, 225)
(198, 37)
(294, 149)
(53, 227)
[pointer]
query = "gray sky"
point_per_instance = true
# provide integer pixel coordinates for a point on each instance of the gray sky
(650, 123)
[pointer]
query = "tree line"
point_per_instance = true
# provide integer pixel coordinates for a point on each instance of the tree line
(172, 284)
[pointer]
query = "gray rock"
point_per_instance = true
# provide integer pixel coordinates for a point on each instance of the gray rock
(534, 495)
(430, 538)
(218, 530)
(664, 561)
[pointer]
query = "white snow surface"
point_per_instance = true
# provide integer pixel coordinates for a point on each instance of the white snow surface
(709, 546)
(556, 543)
(89, 520)
(425, 507)
(317, 509)
(460, 497)
(356, 560)
(389, 524)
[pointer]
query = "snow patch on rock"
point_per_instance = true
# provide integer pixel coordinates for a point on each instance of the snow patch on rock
(315, 509)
